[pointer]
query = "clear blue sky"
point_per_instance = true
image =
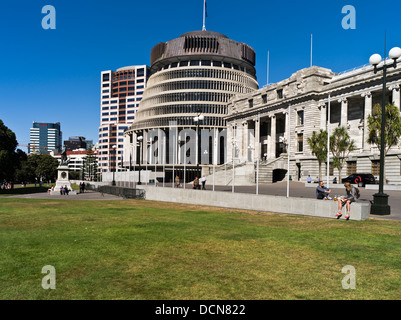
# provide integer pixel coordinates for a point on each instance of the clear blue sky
(54, 75)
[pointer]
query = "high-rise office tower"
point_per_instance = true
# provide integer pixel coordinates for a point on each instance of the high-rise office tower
(45, 137)
(121, 92)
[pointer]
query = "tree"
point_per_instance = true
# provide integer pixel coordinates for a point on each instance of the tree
(89, 167)
(392, 131)
(38, 167)
(318, 144)
(9, 158)
(341, 145)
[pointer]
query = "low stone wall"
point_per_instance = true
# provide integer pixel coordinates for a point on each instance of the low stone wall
(267, 203)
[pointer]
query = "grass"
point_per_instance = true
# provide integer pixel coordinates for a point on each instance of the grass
(133, 249)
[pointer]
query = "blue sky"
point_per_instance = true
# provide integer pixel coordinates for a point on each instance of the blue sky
(54, 75)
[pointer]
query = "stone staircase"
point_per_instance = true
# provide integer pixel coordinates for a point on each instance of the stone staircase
(266, 168)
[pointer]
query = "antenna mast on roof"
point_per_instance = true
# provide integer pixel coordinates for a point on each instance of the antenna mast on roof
(204, 15)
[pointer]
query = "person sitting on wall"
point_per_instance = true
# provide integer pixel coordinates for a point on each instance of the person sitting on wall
(309, 179)
(322, 192)
(195, 184)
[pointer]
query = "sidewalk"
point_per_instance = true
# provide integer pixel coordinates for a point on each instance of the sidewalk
(87, 195)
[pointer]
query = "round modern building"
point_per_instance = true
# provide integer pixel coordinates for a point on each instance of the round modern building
(192, 78)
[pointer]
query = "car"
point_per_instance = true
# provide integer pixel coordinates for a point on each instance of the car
(360, 179)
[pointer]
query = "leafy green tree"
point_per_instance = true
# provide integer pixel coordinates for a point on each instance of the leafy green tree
(318, 144)
(9, 157)
(392, 131)
(38, 167)
(341, 145)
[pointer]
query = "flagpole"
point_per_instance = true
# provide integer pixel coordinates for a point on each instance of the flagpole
(204, 16)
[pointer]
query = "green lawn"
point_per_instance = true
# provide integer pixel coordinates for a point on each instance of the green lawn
(148, 250)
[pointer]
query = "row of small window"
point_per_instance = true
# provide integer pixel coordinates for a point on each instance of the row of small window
(108, 129)
(189, 108)
(197, 84)
(111, 140)
(120, 118)
(181, 121)
(126, 73)
(120, 113)
(124, 83)
(121, 100)
(207, 63)
(107, 146)
(190, 96)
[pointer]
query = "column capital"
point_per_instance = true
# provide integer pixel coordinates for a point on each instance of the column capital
(342, 99)
(394, 87)
(366, 94)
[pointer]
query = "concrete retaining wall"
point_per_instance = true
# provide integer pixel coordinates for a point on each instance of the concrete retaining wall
(267, 203)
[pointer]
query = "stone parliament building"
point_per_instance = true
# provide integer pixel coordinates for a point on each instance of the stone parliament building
(292, 109)
(204, 72)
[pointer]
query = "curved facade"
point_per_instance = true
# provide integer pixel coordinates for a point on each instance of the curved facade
(197, 73)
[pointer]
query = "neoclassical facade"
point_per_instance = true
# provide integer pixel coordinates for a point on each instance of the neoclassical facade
(261, 124)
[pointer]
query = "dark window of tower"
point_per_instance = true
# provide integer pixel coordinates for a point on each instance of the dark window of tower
(227, 65)
(106, 77)
(206, 63)
(194, 62)
(140, 72)
(183, 63)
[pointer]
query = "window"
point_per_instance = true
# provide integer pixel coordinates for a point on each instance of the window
(351, 167)
(227, 65)
(376, 167)
(106, 77)
(183, 63)
(250, 103)
(195, 62)
(280, 94)
(264, 98)
(300, 118)
(140, 72)
(217, 63)
(206, 63)
(300, 140)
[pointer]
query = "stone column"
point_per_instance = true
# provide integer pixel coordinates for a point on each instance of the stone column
(367, 112)
(272, 147)
(344, 111)
(396, 95)
(256, 145)
(244, 141)
(323, 117)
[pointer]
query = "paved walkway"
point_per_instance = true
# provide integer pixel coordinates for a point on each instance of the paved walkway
(297, 189)
(87, 195)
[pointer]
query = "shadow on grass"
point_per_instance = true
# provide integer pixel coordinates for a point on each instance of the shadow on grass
(25, 190)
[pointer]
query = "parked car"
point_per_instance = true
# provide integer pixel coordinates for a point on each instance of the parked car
(360, 179)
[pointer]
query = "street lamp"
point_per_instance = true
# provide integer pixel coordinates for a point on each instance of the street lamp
(380, 204)
(114, 170)
(197, 120)
(140, 140)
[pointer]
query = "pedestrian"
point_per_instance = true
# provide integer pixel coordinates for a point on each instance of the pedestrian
(83, 187)
(177, 181)
(322, 192)
(309, 179)
(203, 180)
(66, 190)
(352, 195)
(61, 190)
(80, 187)
(195, 183)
